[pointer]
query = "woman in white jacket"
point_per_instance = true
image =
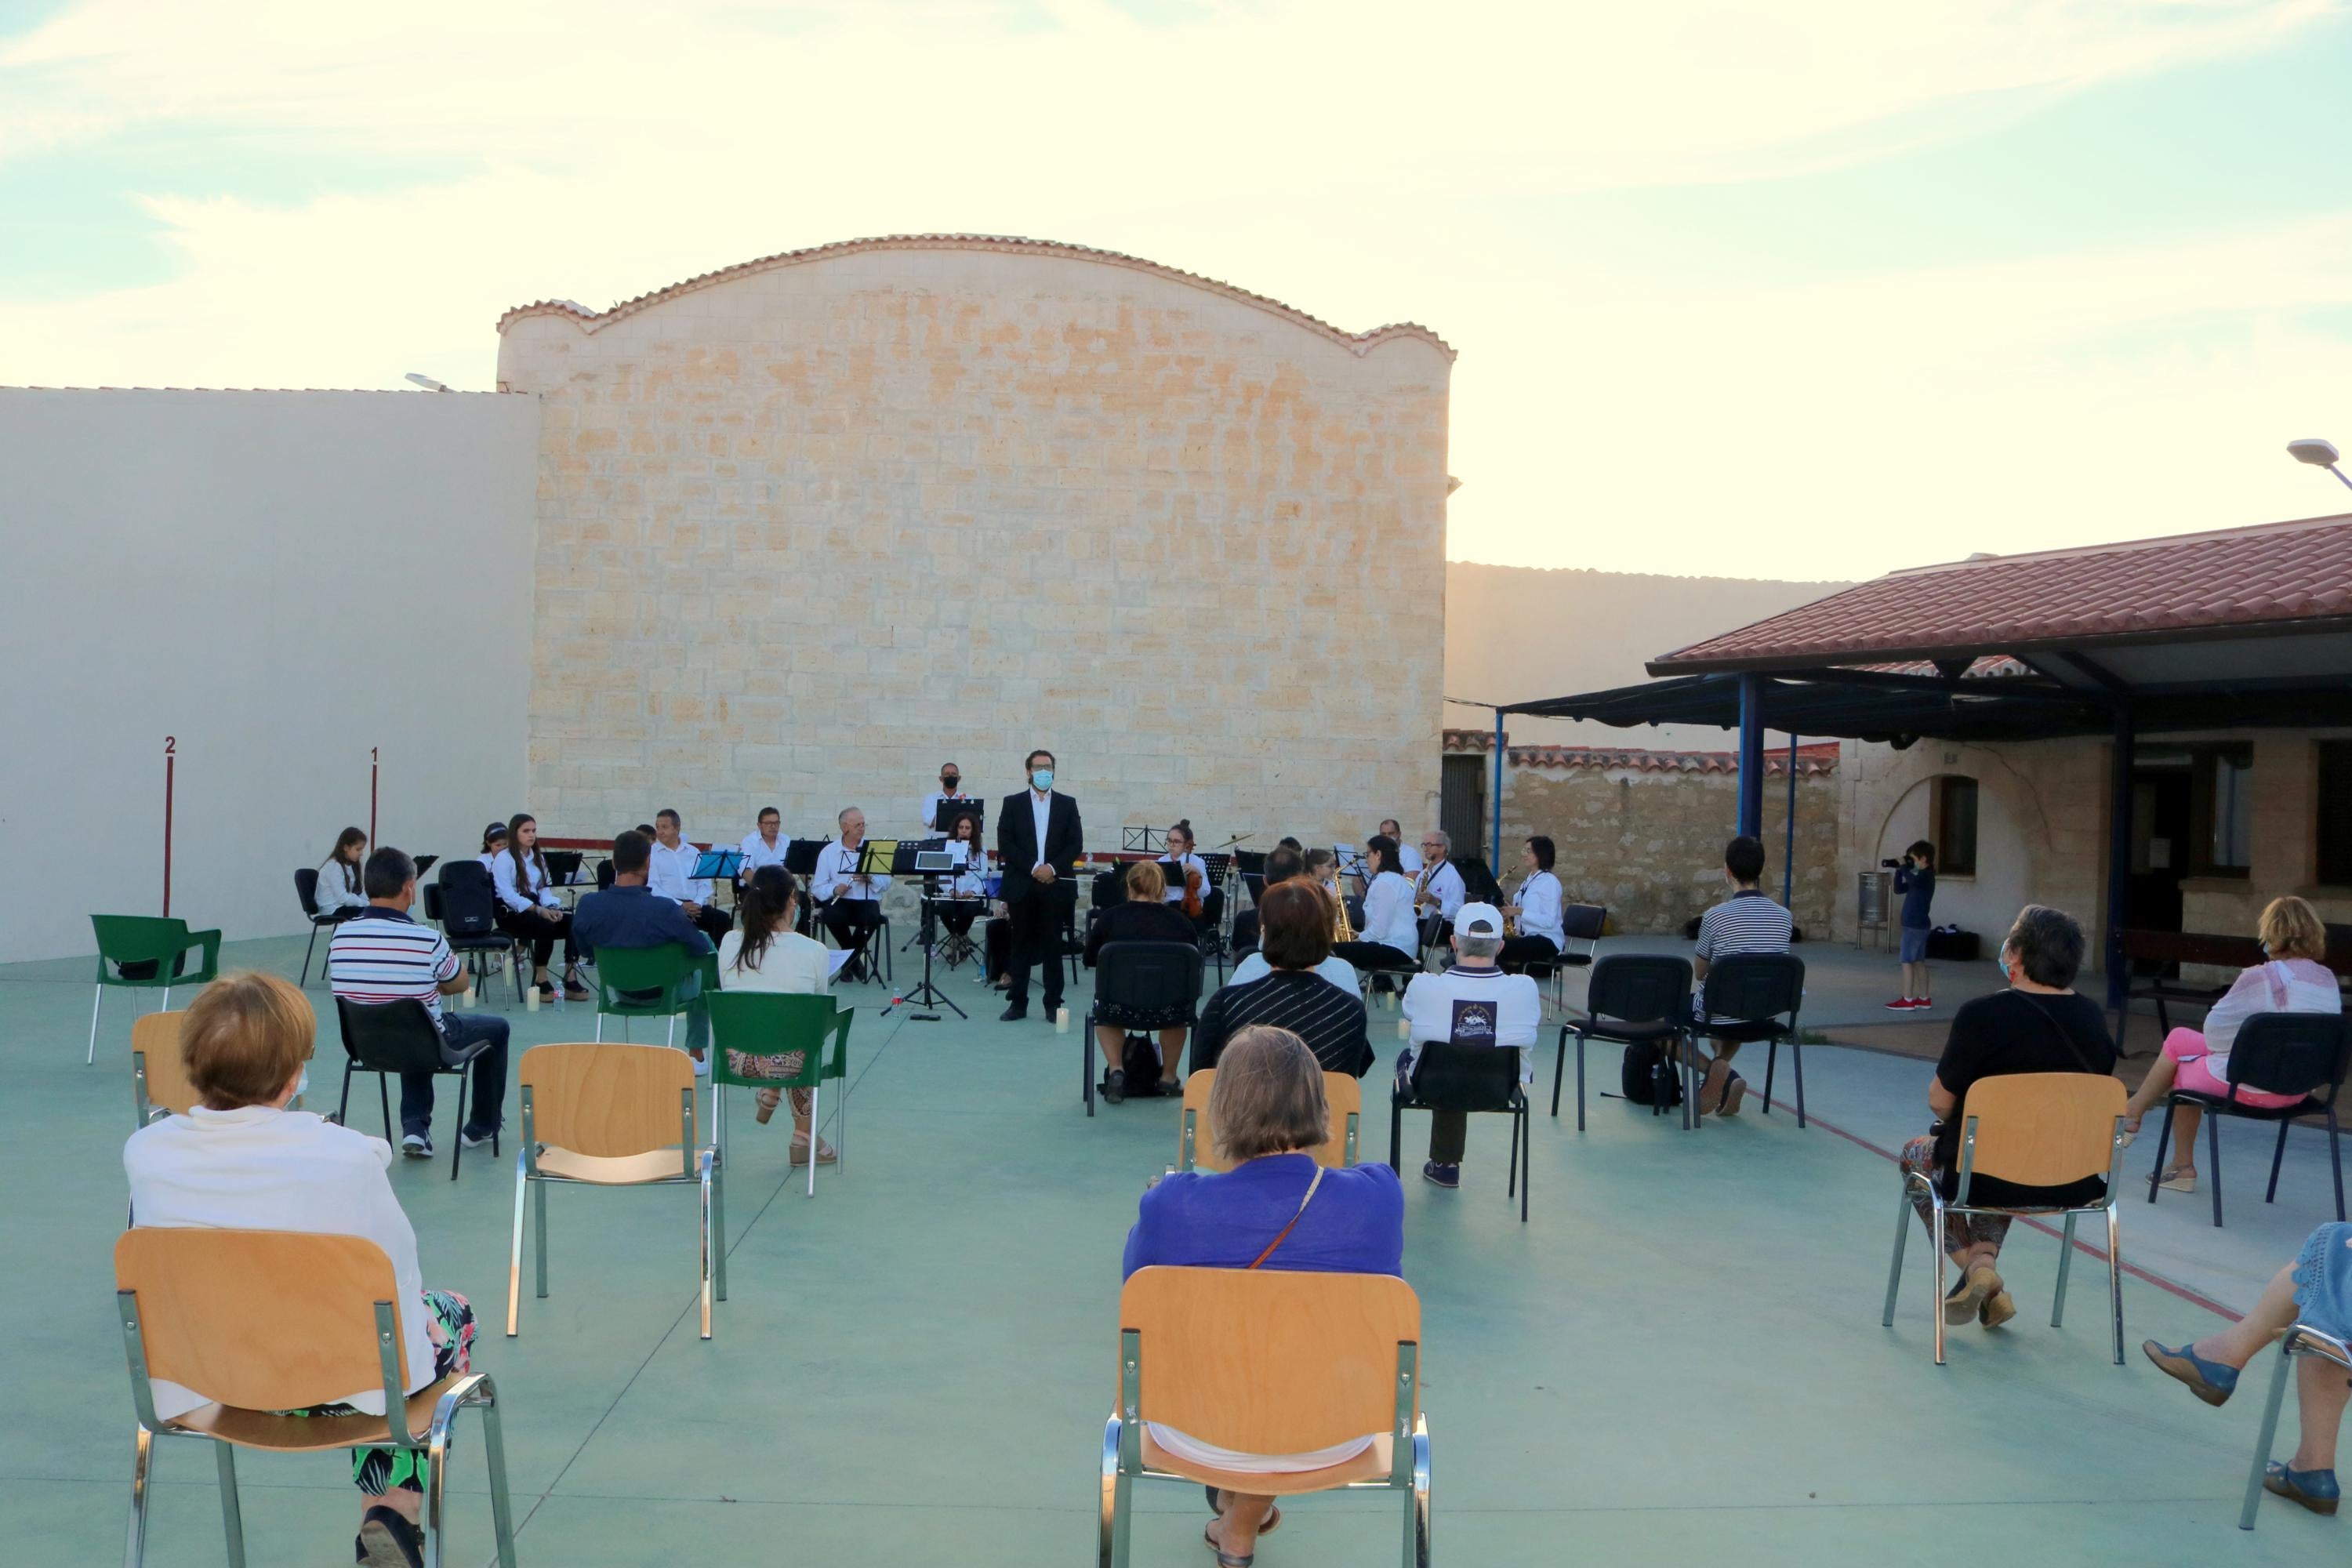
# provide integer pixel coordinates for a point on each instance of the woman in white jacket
(763, 952)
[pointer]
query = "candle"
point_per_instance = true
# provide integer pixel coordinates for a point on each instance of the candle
(1404, 1028)
(530, 999)
(1061, 1020)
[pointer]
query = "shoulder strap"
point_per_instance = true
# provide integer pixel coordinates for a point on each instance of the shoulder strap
(2064, 1037)
(1284, 1234)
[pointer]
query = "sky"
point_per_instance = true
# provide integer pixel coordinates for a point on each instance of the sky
(1812, 291)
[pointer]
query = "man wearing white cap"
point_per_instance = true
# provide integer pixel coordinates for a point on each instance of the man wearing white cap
(1471, 1003)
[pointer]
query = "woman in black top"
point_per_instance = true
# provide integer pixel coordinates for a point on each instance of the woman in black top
(1146, 916)
(2038, 1025)
(1295, 935)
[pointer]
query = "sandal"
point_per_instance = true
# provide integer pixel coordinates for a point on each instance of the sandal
(768, 1100)
(2209, 1380)
(1976, 1285)
(1272, 1515)
(1225, 1557)
(2176, 1180)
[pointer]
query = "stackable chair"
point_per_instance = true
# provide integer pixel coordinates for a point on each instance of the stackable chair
(1751, 997)
(663, 970)
(212, 1309)
(2303, 1339)
(1473, 1078)
(1268, 1361)
(1635, 998)
(465, 904)
(612, 1116)
(2037, 1129)
(147, 953)
(2304, 1054)
(1153, 975)
(305, 888)
(764, 1039)
(1579, 923)
(400, 1037)
(159, 1075)
(1196, 1138)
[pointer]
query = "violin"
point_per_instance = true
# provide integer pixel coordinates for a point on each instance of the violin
(1191, 905)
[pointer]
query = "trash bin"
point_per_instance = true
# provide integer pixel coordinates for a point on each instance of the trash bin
(1874, 896)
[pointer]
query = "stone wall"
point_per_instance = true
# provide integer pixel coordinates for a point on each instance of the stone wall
(812, 525)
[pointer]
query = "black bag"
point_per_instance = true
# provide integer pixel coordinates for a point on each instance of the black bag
(1643, 1062)
(1142, 1064)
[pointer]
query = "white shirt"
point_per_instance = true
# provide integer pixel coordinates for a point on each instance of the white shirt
(1407, 858)
(793, 964)
(2277, 985)
(1540, 906)
(518, 898)
(930, 823)
(1433, 1009)
(1041, 812)
(1172, 872)
(334, 893)
(1335, 969)
(971, 880)
(670, 873)
(835, 875)
(259, 1168)
(1387, 913)
(1444, 883)
(757, 851)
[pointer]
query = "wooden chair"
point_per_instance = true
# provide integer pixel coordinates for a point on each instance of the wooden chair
(1268, 1361)
(2303, 1339)
(147, 953)
(159, 1076)
(1196, 1140)
(272, 1321)
(2036, 1130)
(612, 1116)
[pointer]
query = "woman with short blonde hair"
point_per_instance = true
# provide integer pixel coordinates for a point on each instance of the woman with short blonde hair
(1144, 916)
(2292, 978)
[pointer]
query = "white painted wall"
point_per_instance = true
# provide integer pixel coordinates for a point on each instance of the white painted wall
(282, 580)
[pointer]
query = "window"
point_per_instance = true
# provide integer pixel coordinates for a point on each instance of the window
(1955, 833)
(2220, 811)
(2333, 810)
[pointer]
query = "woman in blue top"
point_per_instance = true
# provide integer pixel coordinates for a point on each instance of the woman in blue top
(1267, 1110)
(1916, 880)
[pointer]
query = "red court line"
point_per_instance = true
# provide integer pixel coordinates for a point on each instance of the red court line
(2137, 1272)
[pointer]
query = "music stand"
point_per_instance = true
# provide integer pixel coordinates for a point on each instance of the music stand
(924, 859)
(713, 865)
(800, 856)
(949, 812)
(1144, 840)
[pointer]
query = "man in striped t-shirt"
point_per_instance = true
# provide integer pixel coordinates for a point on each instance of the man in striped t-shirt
(1747, 922)
(382, 956)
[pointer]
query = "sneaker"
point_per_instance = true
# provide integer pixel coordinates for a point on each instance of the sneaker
(1114, 1087)
(417, 1146)
(1448, 1176)
(1900, 1005)
(1921, 1004)
(702, 1065)
(388, 1541)
(475, 1140)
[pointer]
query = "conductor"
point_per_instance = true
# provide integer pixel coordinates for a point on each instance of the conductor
(1039, 843)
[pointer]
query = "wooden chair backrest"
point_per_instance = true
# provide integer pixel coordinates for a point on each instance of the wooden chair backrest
(155, 1038)
(2044, 1129)
(1268, 1360)
(612, 1100)
(262, 1319)
(1344, 1093)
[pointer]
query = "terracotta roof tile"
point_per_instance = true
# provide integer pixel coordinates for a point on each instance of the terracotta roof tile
(2232, 578)
(592, 321)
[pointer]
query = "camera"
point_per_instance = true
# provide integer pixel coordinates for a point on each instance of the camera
(1891, 865)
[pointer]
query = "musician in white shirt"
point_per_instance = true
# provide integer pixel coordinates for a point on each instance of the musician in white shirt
(671, 876)
(851, 902)
(1390, 937)
(1539, 911)
(767, 846)
(1407, 858)
(1177, 860)
(338, 893)
(1439, 889)
(951, 788)
(968, 887)
(529, 909)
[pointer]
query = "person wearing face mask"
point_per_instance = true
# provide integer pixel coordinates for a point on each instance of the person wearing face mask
(1039, 841)
(1747, 922)
(951, 788)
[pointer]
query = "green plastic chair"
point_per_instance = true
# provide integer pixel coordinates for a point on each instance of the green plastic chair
(668, 970)
(151, 941)
(766, 1039)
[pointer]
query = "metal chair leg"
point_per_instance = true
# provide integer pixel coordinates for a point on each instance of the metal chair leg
(307, 952)
(2336, 1160)
(2116, 1277)
(2213, 1152)
(2269, 1433)
(1087, 1066)
(96, 1003)
(2163, 1142)
(231, 1515)
(343, 1106)
(142, 1455)
(1111, 1540)
(1580, 1083)
(2065, 1261)
(1416, 1526)
(383, 1096)
(816, 1119)
(1396, 1131)
(494, 1449)
(1771, 1060)
(1559, 1067)
(1526, 1158)
(1895, 1269)
(718, 1218)
(1511, 1182)
(514, 1256)
(538, 1229)
(1797, 1061)
(2277, 1155)
(1935, 1301)
(457, 1148)
(705, 1288)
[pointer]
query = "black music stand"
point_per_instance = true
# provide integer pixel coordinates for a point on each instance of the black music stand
(800, 860)
(929, 861)
(945, 816)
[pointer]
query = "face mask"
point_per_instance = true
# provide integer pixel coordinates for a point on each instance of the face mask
(948, 781)
(1042, 779)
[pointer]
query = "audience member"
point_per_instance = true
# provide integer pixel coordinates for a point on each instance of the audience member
(529, 909)
(2039, 1025)
(766, 845)
(241, 1161)
(384, 955)
(1283, 865)
(671, 876)
(2293, 978)
(1276, 1209)
(1289, 990)
(763, 952)
(850, 901)
(1747, 922)
(1539, 909)
(1473, 1003)
(630, 915)
(2316, 1290)
(1144, 916)
(1391, 936)
(338, 876)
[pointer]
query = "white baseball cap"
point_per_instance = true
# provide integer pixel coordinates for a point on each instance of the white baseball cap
(1478, 920)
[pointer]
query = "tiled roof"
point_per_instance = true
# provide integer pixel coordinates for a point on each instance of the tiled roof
(2193, 582)
(1471, 740)
(592, 321)
(1822, 757)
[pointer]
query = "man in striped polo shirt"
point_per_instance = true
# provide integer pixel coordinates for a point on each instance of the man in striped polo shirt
(383, 956)
(1747, 922)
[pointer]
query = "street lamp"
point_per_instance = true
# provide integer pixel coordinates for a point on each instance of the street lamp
(2318, 454)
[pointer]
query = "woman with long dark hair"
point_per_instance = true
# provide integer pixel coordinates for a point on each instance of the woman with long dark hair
(763, 952)
(529, 909)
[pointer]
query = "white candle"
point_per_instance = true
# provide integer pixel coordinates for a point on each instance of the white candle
(1061, 1020)
(1404, 1028)
(530, 999)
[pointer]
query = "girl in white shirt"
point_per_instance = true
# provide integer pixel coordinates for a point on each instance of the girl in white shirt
(763, 952)
(969, 882)
(339, 875)
(529, 909)
(1537, 909)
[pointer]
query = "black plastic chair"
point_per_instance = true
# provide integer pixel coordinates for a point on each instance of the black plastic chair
(1750, 996)
(2275, 1053)
(1635, 999)
(465, 905)
(1149, 976)
(396, 1037)
(1474, 1079)
(305, 888)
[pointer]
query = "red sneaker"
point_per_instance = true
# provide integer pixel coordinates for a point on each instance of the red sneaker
(1922, 1004)
(1900, 1005)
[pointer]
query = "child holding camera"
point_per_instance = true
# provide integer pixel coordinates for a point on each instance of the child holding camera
(1915, 878)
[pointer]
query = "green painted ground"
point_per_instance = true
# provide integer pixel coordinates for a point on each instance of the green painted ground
(1678, 1359)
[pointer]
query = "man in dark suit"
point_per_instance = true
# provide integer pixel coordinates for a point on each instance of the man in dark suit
(1038, 840)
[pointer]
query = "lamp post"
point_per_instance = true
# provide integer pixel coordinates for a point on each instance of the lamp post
(2319, 454)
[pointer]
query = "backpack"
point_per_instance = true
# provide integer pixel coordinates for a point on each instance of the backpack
(1639, 1076)
(1142, 1064)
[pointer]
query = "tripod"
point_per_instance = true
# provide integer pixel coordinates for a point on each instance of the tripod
(926, 994)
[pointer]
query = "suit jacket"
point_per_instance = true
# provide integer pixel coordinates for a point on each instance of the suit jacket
(1016, 841)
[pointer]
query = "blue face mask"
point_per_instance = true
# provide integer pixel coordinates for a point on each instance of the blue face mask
(1042, 779)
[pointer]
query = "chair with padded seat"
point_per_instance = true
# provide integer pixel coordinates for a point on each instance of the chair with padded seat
(2303, 1054)
(306, 888)
(1196, 1135)
(1153, 976)
(1470, 1078)
(766, 1039)
(1268, 1360)
(147, 953)
(1635, 998)
(1579, 923)
(611, 1115)
(213, 1310)
(159, 1074)
(2034, 1129)
(390, 1037)
(1753, 997)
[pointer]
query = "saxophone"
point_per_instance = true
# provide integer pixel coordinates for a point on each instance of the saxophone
(1343, 929)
